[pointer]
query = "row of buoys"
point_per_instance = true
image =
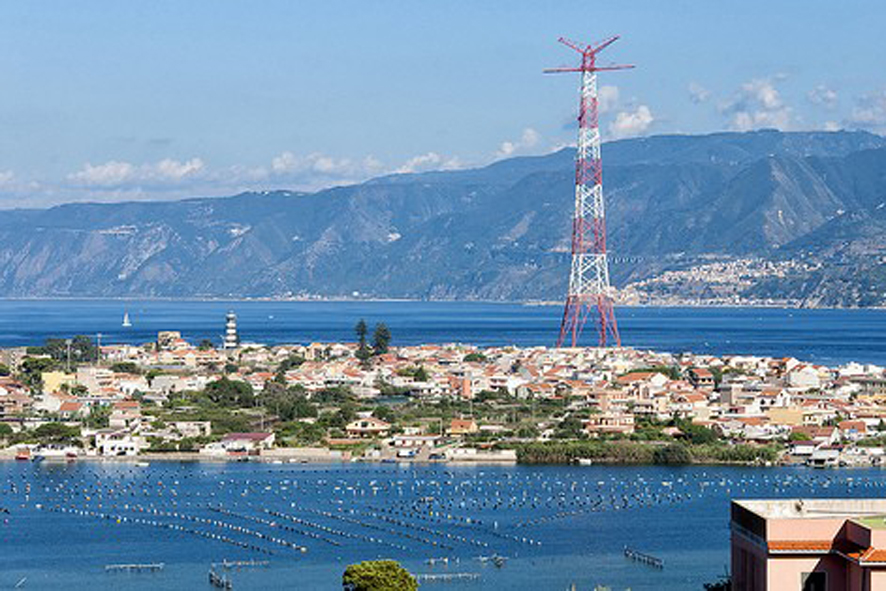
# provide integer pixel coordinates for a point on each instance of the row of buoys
(335, 531)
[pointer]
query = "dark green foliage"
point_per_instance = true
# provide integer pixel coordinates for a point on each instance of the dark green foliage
(419, 373)
(5, 430)
(287, 403)
(381, 339)
(32, 368)
(230, 393)
(697, 434)
(99, 416)
(570, 428)
(4, 370)
(633, 452)
(675, 453)
(568, 452)
(378, 575)
(82, 350)
(363, 351)
(125, 367)
(336, 395)
(474, 357)
(290, 362)
(57, 433)
(205, 345)
(299, 433)
(385, 413)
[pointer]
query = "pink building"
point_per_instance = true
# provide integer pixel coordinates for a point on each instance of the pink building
(809, 545)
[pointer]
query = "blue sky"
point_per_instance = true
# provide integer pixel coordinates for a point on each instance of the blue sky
(104, 100)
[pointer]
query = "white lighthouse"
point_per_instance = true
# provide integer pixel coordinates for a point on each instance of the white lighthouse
(232, 340)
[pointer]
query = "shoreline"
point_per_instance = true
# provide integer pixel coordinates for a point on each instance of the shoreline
(389, 300)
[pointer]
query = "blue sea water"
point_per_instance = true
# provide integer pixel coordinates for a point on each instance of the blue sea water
(821, 336)
(556, 525)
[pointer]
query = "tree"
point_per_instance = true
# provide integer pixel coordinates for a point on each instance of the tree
(5, 430)
(4, 370)
(99, 416)
(378, 575)
(676, 453)
(363, 352)
(125, 367)
(474, 357)
(225, 392)
(421, 375)
(381, 339)
(205, 345)
(32, 371)
(81, 350)
(57, 433)
(385, 413)
(362, 330)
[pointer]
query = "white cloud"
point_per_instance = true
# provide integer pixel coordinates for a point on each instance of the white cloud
(528, 139)
(172, 170)
(607, 98)
(107, 174)
(758, 104)
(831, 126)
(823, 96)
(631, 123)
(869, 112)
(288, 164)
(698, 93)
(429, 161)
(119, 174)
(6, 178)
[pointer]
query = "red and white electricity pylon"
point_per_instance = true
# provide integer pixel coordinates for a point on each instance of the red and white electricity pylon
(589, 289)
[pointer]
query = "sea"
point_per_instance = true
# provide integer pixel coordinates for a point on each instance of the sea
(824, 336)
(458, 527)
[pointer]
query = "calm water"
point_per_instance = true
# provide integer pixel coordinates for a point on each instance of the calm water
(556, 525)
(823, 336)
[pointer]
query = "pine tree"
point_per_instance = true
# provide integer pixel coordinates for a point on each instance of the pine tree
(363, 352)
(381, 339)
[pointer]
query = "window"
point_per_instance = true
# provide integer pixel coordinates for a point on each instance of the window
(815, 581)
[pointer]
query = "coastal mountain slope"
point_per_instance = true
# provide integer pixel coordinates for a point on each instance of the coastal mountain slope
(497, 232)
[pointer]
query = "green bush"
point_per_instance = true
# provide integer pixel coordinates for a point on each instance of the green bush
(675, 453)
(378, 575)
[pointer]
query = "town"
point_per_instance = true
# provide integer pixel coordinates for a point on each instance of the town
(368, 400)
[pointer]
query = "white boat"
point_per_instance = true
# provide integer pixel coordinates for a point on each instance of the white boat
(126, 322)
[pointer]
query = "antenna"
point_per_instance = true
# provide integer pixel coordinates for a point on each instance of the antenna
(589, 287)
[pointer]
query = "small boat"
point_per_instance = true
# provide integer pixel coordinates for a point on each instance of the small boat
(23, 454)
(126, 322)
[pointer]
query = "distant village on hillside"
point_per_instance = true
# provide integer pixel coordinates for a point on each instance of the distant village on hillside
(369, 400)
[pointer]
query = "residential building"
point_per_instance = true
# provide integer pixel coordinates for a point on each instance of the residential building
(809, 545)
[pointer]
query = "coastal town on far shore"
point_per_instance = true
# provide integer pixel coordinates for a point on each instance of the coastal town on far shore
(369, 400)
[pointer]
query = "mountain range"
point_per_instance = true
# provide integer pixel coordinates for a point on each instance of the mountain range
(811, 205)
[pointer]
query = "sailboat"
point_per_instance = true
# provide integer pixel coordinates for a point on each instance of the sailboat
(126, 322)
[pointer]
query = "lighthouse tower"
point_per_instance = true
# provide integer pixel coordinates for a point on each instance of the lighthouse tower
(232, 339)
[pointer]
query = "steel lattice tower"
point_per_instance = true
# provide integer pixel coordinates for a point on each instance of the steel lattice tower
(589, 288)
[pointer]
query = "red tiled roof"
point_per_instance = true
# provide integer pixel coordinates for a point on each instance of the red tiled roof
(800, 545)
